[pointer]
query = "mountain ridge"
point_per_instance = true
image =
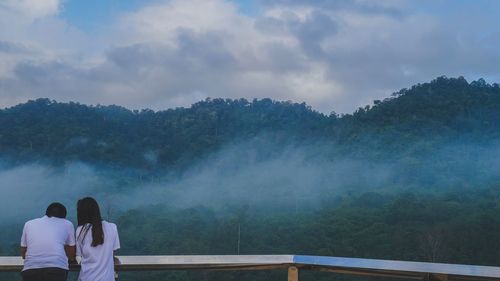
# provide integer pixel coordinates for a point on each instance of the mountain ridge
(441, 111)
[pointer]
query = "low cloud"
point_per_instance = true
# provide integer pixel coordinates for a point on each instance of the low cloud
(258, 175)
(27, 190)
(247, 174)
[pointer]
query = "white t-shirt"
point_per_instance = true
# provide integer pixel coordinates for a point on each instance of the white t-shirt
(45, 239)
(97, 262)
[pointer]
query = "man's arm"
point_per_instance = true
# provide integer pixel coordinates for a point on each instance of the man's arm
(23, 252)
(24, 243)
(69, 245)
(70, 253)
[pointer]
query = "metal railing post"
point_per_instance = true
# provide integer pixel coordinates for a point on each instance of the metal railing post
(293, 273)
(436, 277)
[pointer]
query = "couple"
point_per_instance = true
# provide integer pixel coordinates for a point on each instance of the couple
(49, 243)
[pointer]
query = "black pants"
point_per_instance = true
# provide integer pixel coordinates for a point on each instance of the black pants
(45, 274)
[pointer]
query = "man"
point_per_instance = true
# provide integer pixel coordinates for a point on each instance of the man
(47, 244)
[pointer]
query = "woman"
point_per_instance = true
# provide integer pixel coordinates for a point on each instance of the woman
(96, 241)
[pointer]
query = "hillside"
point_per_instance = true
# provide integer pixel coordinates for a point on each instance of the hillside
(443, 110)
(59, 132)
(446, 108)
(428, 116)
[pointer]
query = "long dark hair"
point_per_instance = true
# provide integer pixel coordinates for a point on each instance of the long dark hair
(89, 216)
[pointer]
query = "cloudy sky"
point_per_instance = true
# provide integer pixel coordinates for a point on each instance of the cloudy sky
(334, 55)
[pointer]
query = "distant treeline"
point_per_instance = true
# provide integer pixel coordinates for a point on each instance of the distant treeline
(410, 122)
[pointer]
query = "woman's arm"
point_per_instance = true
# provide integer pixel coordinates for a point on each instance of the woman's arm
(115, 258)
(23, 252)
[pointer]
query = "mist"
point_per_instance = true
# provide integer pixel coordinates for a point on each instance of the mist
(245, 174)
(256, 174)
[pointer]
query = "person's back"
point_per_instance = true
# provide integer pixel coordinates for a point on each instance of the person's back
(44, 245)
(97, 262)
(96, 242)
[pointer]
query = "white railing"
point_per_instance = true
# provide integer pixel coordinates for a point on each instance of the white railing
(296, 263)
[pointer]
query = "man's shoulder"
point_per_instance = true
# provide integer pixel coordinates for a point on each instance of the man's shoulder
(33, 221)
(67, 223)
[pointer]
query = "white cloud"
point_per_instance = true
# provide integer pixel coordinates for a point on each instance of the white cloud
(160, 22)
(32, 9)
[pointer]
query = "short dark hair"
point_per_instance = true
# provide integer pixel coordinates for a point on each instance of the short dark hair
(57, 210)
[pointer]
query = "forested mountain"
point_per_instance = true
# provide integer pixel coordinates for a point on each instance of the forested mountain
(444, 111)
(44, 129)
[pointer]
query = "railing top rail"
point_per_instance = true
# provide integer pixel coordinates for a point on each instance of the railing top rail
(400, 266)
(132, 263)
(336, 264)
